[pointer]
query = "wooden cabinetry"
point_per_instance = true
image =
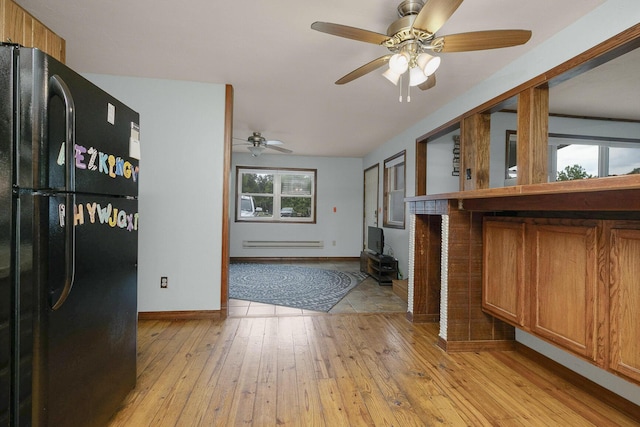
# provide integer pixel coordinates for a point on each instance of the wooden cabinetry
(18, 26)
(564, 284)
(624, 277)
(572, 282)
(383, 268)
(503, 285)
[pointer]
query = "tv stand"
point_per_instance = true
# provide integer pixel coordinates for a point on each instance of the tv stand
(383, 268)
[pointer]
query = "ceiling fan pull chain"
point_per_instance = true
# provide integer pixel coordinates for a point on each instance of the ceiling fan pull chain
(409, 93)
(400, 87)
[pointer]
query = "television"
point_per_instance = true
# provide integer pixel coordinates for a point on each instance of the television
(375, 240)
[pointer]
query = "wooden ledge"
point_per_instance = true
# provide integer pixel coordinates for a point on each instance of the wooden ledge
(617, 193)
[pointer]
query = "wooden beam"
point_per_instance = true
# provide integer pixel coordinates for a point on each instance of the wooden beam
(225, 253)
(533, 131)
(421, 168)
(475, 142)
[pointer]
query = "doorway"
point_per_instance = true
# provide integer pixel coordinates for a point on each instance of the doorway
(371, 192)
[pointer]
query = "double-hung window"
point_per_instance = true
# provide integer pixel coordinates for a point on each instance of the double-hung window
(394, 176)
(276, 195)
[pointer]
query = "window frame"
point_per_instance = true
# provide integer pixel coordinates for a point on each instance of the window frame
(390, 174)
(277, 195)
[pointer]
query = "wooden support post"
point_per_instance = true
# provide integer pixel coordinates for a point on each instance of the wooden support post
(468, 327)
(475, 141)
(426, 271)
(533, 131)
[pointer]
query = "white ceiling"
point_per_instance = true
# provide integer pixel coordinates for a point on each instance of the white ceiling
(283, 72)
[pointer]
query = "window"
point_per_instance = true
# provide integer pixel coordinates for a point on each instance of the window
(577, 157)
(582, 156)
(275, 195)
(394, 175)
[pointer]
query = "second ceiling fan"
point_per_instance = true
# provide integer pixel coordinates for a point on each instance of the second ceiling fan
(412, 37)
(258, 143)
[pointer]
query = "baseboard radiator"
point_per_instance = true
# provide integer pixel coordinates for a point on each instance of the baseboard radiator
(283, 244)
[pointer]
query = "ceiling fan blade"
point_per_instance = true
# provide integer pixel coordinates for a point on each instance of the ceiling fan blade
(431, 82)
(282, 150)
(435, 13)
(481, 40)
(350, 32)
(365, 69)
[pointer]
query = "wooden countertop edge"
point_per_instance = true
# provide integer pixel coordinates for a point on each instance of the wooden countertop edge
(613, 183)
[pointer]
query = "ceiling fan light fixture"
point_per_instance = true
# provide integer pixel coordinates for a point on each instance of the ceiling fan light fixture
(256, 150)
(427, 63)
(399, 62)
(416, 77)
(392, 76)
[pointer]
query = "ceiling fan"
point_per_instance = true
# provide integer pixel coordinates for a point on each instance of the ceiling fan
(413, 35)
(258, 143)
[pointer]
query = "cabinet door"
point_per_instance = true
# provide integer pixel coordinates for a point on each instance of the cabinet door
(564, 285)
(624, 274)
(503, 286)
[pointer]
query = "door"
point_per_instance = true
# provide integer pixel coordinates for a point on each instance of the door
(371, 191)
(85, 354)
(625, 301)
(504, 267)
(105, 141)
(565, 268)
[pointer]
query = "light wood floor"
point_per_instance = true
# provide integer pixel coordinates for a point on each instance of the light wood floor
(340, 370)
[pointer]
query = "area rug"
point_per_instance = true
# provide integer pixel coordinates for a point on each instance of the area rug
(290, 285)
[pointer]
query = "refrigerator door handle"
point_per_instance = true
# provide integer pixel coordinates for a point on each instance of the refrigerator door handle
(58, 87)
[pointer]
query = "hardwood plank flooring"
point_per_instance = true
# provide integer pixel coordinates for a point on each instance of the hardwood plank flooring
(340, 370)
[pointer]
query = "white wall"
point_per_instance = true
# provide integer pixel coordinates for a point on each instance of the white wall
(500, 123)
(339, 184)
(182, 137)
(440, 165)
(575, 39)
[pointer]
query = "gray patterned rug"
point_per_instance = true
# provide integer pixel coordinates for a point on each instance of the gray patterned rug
(292, 286)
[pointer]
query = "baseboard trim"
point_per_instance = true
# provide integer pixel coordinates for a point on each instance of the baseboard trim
(180, 315)
(293, 259)
(605, 395)
(463, 346)
(423, 318)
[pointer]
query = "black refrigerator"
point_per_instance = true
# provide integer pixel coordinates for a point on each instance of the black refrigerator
(69, 168)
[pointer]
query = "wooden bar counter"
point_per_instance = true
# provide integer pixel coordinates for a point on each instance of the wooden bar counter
(570, 276)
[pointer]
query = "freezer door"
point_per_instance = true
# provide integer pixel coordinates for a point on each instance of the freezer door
(60, 107)
(86, 348)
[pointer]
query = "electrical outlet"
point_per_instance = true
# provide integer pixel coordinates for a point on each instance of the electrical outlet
(164, 282)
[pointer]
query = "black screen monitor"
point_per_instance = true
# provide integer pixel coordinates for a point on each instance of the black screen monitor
(375, 240)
